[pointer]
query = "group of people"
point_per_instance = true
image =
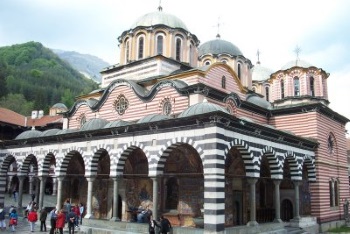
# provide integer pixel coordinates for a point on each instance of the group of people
(72, 215)
(13, 218)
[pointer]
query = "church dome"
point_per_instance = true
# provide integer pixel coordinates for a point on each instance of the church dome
(260, 73)
(29, 134)
(159, 18)
(296, 63)
(94, 124)
(60, 106)
(152, 118)
(218, 46)
(256, 100)
(201, 108)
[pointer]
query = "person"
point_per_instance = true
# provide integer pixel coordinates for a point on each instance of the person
(67, 207)
(2, 219)
(71, 217)
(32, 218)
(165, 225)
(15, 195)
(53, 216)
(81, 210)
(33, 196)
(77, 213)
(13, 220)
(43, 216)
(28, 208)
(152, 224)
(60, 220)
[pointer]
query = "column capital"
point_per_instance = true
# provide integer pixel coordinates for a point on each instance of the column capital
(252, 180)
(90, 179)
(60, 178)
(296, 182)
(277, 182)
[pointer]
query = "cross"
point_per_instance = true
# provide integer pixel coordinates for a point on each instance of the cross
(218, 26)
(258, 54)
(160, 8)
(297, 51)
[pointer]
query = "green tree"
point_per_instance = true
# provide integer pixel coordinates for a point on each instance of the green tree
(17, 103)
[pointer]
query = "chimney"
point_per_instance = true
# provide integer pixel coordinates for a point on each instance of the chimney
(34, 114)
(41, 114)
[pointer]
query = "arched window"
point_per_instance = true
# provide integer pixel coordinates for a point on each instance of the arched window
(331, 144)
(160, 44)
(239, 70)
(282, 89)
(191, 54)
(141, 47)
(82, 120)
(267, 92)
(207, 62)
(127, 51)
(223, 82)
(178, 49)
(312, 86)
(296, 86)
(224, 61)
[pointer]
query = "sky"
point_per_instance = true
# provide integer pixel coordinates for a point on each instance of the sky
(321, 29)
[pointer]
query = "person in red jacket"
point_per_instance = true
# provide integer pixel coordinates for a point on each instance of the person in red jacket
(32, 218)
(60, 220)
(77, 212)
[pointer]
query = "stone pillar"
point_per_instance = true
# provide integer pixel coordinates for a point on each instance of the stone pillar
(296, 205)
(31, 182)
(20, 193)
(37, 190)
(9, 188)
(277, 201)
(59, 192)
(116, 181)
(252, 222)
(42, 191)
(89, 198)
(155, 198)
(54, 186)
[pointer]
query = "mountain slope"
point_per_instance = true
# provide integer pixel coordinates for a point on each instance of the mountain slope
(34, 71)
(89, 65)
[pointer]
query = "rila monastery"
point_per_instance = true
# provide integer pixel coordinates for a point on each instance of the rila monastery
(193, 131)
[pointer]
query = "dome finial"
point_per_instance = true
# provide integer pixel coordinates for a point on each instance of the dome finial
(160, 8)
(297, 51)
(218, 28)
(258, 55)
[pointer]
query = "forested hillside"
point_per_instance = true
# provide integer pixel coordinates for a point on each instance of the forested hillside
(32, 77)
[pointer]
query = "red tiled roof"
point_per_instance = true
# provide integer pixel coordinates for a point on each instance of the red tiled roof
(45, 120)
(11, 117)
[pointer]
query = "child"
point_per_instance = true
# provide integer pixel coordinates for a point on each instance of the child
(13, 219)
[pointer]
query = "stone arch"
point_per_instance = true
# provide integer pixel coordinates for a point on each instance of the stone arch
(92, 163)
(44, 164)
(166, 150)
(311, 169)
(248, 157)
(62, 163)
(126, 150)
(275, 165)
(295, 167)
(7, 161)
(30, 159)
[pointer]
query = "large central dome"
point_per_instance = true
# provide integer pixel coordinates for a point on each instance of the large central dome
(159, 18)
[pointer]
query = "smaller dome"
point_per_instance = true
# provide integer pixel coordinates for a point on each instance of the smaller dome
(94, 124)
(60, 106)
(28, 134)
(117, 123)
(152, 118)
(65, 131)
(256, 100)
(296, 63)
(50, 132)
(260, 73)
(201, 108)
(218, 46)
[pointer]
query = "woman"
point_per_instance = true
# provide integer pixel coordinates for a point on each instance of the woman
(60, 220)
(32, 218)
(13, 219)
(152, 225)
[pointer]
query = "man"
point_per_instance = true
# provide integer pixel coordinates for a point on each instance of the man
(43, 216)
(165, 225)
(71, 217)
(53, 217)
